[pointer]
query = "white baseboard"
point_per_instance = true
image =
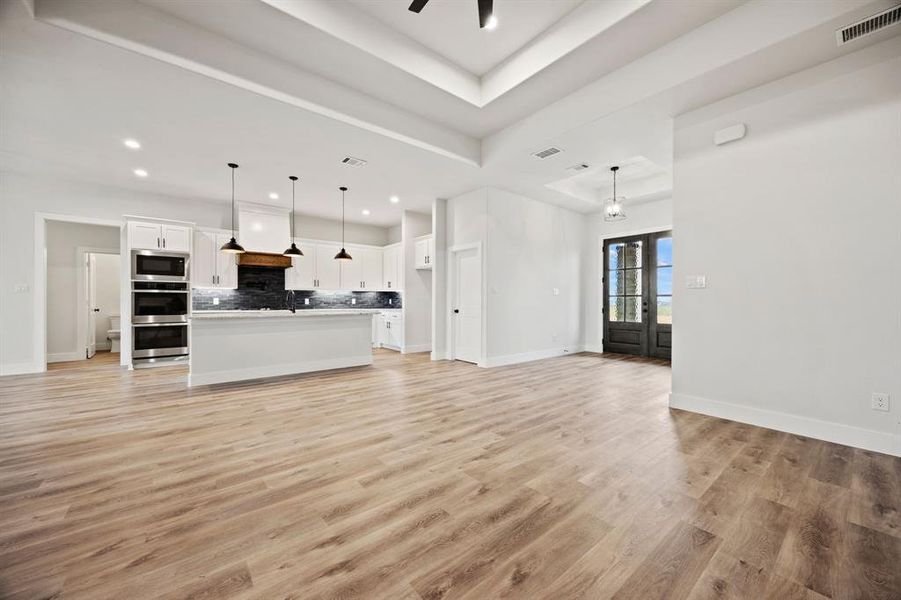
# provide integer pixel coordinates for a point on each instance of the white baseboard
(512, 359)
(867, 439)
(414, 348)
(277, 370)
(19, 369)
(65, 356)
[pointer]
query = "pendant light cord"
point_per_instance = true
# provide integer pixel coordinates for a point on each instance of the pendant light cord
(342, 218)
(293, 182)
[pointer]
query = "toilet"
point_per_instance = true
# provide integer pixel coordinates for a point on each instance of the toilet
(113, 333)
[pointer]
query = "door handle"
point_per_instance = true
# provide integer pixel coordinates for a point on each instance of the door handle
(96, 310)
(456, 311)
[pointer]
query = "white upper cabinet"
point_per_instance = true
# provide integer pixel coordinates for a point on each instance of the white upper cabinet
(371, 260)
(154, 236)
(211, 268)
(328, 271)
(176, 238)
(302, 274)
(145, 236)
(352, 270)
(392, 267)
(424, 249)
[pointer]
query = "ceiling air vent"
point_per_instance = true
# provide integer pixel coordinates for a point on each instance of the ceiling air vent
(871, 24)
(578, 167)
(353, 162)
(547, 152)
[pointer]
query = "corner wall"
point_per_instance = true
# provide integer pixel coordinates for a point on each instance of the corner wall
(417, 296)
(797, 228)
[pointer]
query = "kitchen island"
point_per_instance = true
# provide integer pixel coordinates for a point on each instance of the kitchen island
(235, 345)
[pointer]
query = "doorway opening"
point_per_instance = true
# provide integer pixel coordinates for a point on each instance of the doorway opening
(638, 294)
(100, 309)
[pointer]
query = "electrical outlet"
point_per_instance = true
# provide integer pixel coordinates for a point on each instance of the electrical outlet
(390, 301)
(353, 300)
(306, 300)
(20, 288)
(556, 291)
(215, 301)
(880, 401)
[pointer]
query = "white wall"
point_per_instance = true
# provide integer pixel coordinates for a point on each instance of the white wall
(798, 230)
(534, 248)
(107, 276)
(63, 272)
(640, 218)
(417, 305)
(317, 228)
(529, 248)
(21, 197)
(395, 234)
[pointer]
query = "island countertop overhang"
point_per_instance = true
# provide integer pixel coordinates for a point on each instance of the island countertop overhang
(216, 315)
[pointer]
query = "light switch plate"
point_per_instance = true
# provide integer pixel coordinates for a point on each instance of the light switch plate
(696, 282)
(215, 301)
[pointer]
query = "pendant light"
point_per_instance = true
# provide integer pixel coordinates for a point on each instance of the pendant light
(232, 245)
(343, 255)
(613, 206)
(293, 250)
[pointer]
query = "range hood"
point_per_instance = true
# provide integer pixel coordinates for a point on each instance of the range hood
(265, 232)
(264, 259)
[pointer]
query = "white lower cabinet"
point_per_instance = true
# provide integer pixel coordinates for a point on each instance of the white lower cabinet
(391, 330)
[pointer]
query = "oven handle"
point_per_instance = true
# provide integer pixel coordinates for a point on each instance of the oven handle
(160, 291)
(174, 324)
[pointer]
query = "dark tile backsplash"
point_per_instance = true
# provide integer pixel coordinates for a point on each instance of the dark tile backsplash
(262, 287)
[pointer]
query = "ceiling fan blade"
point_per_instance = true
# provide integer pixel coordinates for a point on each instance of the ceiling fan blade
(417, 5)
(486, 7)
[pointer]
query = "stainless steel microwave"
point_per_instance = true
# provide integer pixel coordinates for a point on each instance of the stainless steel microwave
(153, 265)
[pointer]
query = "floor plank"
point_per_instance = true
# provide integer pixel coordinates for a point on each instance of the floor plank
(562, 479)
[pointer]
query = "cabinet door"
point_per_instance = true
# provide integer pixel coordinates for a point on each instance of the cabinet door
(420, 254)
(372, 268)
(203, 260)
(328, 271)
(382, 322)
(352, 270)
(145, 236)
(226, 264)
(389, 269)
(301, 276)
(176, 238)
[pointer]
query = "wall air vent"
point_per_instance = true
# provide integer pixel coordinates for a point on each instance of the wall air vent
(353, 162)
(872, 24)
(578, 167)
(547, 152)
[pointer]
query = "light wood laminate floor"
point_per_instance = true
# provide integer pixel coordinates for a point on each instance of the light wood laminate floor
(560, 479)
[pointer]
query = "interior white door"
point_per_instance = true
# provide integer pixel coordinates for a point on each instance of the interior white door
(467, 306)
(91, 289)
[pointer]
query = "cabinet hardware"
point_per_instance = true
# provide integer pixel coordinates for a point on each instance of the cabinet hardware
(157, 242)
(164, 242)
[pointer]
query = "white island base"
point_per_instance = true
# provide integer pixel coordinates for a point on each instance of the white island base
(240, 345)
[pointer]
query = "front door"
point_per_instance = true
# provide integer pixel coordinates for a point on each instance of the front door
(637, 287)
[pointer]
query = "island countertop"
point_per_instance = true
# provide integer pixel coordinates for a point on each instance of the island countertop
(255, 314)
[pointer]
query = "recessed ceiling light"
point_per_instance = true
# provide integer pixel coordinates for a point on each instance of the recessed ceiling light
(491, 23)
(273, 196)
(394, 199)
(133, 144)
(140, 172)
(366, 212)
